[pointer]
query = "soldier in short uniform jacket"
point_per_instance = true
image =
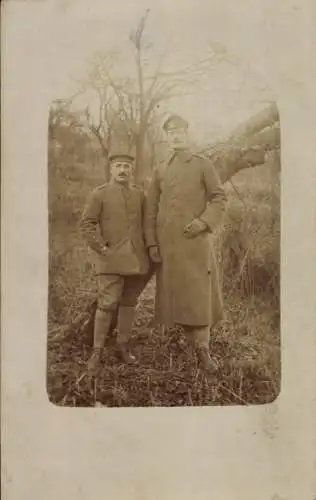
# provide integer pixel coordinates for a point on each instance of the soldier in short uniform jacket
(112, 225)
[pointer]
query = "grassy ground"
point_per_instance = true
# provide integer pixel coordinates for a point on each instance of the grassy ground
(246, 345)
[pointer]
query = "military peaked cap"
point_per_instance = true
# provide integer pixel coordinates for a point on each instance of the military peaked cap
(124, 152)
(175, 121)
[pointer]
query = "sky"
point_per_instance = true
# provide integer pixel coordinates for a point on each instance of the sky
(254, 33)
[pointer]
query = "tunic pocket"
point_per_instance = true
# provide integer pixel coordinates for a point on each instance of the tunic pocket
(121, 258)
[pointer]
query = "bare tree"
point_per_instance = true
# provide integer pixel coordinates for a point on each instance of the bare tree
(135, 99)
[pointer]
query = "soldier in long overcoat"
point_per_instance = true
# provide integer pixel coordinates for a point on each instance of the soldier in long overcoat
(185, 204)
(112, 225)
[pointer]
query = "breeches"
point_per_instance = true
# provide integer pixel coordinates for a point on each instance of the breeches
(114, 290)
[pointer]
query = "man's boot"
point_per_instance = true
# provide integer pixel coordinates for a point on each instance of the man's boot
(125, 323)
(102, 323)
(208, 364)
(202, 337)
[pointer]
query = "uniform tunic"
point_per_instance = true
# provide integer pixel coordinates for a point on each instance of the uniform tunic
(113, 217)
(188, 289)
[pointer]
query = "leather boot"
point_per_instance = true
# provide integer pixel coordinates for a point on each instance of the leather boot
(125, 323)
(124, 353)
(101, 328)
(208, 364)
(201, 337)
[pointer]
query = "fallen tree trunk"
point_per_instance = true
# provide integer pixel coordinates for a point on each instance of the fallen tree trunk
(230, 159)
(248, 145)
(265, 118)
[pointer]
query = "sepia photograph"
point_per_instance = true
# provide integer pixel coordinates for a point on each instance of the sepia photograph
(164, 224)
(157, 248)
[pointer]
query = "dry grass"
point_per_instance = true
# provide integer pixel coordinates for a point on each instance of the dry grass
(246, 344)
(246, 347)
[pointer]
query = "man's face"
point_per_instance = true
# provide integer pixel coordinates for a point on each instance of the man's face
(121, 170)
(177, 138)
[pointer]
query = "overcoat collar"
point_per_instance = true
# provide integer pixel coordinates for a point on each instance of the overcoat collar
(184, 155)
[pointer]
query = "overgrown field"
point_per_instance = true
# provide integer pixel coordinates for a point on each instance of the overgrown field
(246, 344)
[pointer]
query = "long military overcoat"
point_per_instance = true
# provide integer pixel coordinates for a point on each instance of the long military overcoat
(188, 289)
